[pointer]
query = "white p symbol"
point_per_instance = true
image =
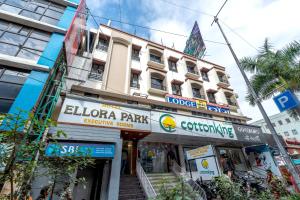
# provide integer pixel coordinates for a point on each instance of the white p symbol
(282, 100)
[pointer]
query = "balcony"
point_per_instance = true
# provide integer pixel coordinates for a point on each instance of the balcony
(102, 47)
(135, 58)
(156, 64)
(199, 96)
(135, 85)
(223, 82)
(95, 76)
(193, 74)
(211, 100)
(158, 89)
(233, 106)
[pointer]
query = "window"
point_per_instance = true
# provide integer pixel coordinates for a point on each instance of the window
(280, 122)
(288, 120)
(134, 81)
(197, 92)
(176, 89)
(222, 78)
(201, 114)
(204, 76)
(40, 10)
(158, 107)
(172, 65)
(102, 44)
(286, 133)
(295, 132)
(22, 41)
(211, 97)
(97, 71)
(135, 54)
(157, 81)
(191, 67)
(11, 82)
(230, 100)
(155, 58)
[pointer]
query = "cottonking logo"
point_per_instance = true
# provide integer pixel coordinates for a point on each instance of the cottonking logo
(204, 164)
(167, 123)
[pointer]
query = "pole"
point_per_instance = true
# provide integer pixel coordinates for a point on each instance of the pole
(282, 150)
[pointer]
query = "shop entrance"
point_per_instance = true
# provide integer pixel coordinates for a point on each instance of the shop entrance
(130, 151)
(91, 188)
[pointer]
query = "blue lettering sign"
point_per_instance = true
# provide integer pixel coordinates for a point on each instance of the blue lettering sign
(182, 102)
(286, 100)
(80, 150)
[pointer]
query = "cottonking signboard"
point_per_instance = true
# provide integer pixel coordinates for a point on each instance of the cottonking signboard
(192, 126)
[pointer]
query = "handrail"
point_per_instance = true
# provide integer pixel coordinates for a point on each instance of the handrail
(179, 171)
(146, 184)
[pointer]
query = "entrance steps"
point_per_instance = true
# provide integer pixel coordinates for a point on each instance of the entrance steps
(130, 188)
(157, 180)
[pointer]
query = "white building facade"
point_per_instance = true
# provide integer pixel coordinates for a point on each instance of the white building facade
(286, 126)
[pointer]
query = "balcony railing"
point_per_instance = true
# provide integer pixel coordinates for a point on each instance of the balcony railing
(158, 86)
(135, 57)
(156, 59)
(95, 76)
(135, 85)
(223, 80)
(102, 47)
(211, 100)
(230, 102)
(199, 96)
(193, 71)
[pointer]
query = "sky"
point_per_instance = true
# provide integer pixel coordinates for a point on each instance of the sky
(246, 23)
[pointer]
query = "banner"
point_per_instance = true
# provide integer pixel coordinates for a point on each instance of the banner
(200, 152)
(75, 32)
(249, 133)
(207, 168)
(218, 108)
(192, 126)
(261, 158)
(80, 150)
(195, 45)
(104, 115)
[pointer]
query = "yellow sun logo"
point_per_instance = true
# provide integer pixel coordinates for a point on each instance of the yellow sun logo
(204, 163)
(167, 123)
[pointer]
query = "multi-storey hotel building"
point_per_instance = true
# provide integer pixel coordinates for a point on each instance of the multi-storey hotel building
(139, 106)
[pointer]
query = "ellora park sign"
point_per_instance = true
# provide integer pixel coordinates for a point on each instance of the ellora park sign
(98, 114)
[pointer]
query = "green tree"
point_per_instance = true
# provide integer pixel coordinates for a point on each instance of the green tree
(18, 148)
(274, 71)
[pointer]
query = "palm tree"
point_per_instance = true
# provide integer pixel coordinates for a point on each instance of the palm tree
(274, 71)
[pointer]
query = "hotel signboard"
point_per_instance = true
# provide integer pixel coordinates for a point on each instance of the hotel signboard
(188, 102)
(98, 114)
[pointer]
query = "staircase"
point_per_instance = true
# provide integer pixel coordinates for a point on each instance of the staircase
(157, 179)
(130, 188)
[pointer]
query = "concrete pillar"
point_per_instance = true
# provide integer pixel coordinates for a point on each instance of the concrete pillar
(113, 188)
(105, 181)
(181, 158)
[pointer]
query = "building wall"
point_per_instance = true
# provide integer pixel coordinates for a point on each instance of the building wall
(119, 65)
(57, 28)
(289, 129)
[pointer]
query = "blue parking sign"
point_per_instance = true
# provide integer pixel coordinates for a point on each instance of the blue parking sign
(286, 100)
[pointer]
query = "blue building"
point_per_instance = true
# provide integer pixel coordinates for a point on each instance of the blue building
(32, 35)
